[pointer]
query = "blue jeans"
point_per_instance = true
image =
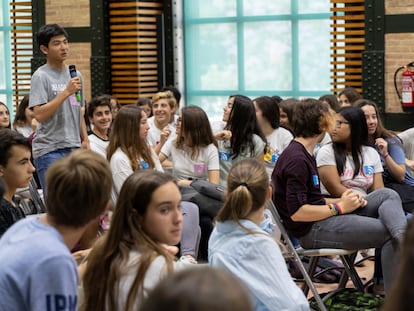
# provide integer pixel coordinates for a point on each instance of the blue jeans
(43, 162)
(380, 224)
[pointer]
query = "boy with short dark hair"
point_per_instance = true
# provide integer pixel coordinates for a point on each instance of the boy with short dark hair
(16, 170)
(100, 117)
(37, 269)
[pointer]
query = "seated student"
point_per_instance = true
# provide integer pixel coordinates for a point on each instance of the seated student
(177, 95)
(240, 242)
(331, 100)
(201, 289)
(396, 175)
(407, 138)
(349, 162)
(37, 270)
(348, 222)
(160, 126)
(128, 153)
(268, 117)
(241, 138)
(4, 116)
(145, 104)
(193, 153)
(348, 96)
(134, 255)
(100, 117)
(24, 118)
(116, 105)
(17, 170)
(286, 108)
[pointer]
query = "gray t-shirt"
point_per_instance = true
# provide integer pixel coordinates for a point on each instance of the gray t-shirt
(62, 130)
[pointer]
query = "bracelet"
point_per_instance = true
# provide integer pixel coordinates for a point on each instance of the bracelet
(338, 208)
(334, 211)
(385, 156)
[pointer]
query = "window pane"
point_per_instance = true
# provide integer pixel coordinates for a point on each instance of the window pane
(266, 7)
(211, 57)
(1, 15)
(212, 105)
(314, 6)
(314, 55)
(268, 56)
(210, 8)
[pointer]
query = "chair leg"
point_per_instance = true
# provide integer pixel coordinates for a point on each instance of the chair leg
(313, 263)
(309, 282)
(348, 262)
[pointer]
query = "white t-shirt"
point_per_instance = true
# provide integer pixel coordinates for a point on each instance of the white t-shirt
(154, 132)
(186, 168)
(98, 144)
(155, 273)
(371, 164)
(121, 169)
(277, 142)
(25, 130)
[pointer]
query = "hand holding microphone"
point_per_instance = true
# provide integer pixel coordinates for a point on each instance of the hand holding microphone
(73, 74)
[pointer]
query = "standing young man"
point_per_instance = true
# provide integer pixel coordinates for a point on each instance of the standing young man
(37, 269)
(53, 100)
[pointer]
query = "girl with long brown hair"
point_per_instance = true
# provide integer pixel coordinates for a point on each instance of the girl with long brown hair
(128, 151)
(135, 254)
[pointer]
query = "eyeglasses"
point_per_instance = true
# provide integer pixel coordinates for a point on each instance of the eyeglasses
(338, 123)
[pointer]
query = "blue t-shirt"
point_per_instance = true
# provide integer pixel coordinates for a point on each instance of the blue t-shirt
(396, 151)
(37, 271)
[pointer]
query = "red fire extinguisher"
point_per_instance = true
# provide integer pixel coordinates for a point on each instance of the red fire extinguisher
(407, 87)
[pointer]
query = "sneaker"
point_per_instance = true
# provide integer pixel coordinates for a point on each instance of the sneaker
(188, 259)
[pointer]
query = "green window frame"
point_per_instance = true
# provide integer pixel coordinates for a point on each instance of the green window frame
(225, 42)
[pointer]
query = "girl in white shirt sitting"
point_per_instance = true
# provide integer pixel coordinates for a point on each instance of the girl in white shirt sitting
(128, 151)
(137, 251)
(194, 152)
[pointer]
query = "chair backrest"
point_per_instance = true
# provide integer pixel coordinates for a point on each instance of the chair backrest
(36, 197)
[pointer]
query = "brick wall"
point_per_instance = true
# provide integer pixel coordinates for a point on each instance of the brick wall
(399, 50)
(74, 14)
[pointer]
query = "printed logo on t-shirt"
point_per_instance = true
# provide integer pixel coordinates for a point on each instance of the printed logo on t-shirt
(271, 155)
(73, 101)
(199, 168)
(224, 156)
(144, 165)
(61, 302)
(315, 179)
(368, 169)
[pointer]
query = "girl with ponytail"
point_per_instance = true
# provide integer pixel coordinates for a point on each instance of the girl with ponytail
(241, 244)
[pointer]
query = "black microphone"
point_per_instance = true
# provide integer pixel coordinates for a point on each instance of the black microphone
(73, 74)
